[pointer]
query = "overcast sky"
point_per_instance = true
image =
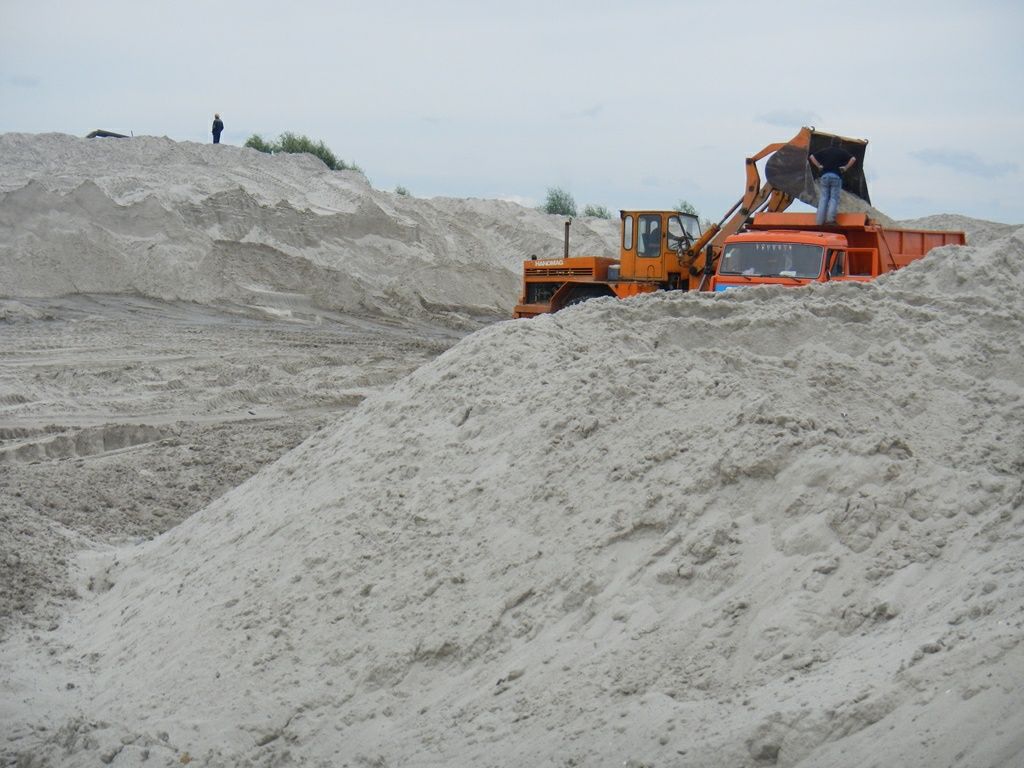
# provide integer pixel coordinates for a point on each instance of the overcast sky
(624, 104)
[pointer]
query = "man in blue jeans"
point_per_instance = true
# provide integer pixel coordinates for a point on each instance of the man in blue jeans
(832, 162)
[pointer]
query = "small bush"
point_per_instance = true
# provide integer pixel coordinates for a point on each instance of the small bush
(685, 206)
(559, 201)
(400, 190)
(597, 211)
(256, 142)
(296, 144)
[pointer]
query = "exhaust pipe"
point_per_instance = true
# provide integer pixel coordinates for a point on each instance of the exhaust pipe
(565, 253)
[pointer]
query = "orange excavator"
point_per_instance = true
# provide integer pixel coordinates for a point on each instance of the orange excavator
(665, 250)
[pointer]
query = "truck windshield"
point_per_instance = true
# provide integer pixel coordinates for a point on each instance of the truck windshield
(770, 259)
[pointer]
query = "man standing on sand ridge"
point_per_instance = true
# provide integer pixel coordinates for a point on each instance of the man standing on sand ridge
(218, 127)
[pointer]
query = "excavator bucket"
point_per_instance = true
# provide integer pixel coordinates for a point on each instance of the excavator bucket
(788, 169)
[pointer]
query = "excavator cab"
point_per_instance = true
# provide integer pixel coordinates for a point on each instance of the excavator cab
(652, 242)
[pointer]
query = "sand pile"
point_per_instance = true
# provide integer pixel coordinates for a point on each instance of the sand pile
(770, 527)
(209, 223)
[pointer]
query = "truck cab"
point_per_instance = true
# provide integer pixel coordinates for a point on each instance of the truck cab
(790, 249)
(787, 258)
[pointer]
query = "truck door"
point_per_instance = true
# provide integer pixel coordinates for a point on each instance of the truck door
(836, 263)
(648, 247)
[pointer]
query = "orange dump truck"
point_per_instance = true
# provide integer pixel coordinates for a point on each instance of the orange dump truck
(790, 249)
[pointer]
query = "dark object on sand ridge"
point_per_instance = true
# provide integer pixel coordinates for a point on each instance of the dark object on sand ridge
(101, 134)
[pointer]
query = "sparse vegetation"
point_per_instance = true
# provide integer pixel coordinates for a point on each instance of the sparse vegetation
(685, 206)
(256, 142)
(297, 144)
(597, 211)
(559, 201)
(400, 190)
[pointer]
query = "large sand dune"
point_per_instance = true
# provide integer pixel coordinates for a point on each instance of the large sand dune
(771, 527)
(210, 223)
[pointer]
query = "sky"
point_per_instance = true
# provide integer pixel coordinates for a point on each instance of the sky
(624, 105)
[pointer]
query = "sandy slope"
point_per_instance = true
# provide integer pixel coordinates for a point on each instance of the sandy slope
(603, 537)
(203, 328)
(121, 416)
(207, 223)
(771, 527)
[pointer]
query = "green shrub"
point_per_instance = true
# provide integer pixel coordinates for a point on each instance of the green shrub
(295, 144)
(597, 211)
(559, 201)
(256, 142)
(400, 190)
(685, 206)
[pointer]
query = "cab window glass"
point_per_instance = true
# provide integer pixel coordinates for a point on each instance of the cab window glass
(682, 232)
(649, 244)
(627, 232)
(772, 259)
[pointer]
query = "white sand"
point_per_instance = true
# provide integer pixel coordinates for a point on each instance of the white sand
(207, 223)
(771, 527)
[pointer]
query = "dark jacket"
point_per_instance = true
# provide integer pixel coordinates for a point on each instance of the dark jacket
(218, 126)
(832, 159)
